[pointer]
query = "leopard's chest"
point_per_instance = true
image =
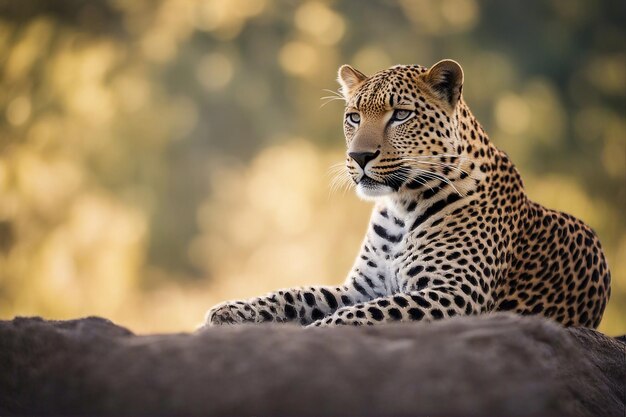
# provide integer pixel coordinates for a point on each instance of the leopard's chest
(389, 237)
(397, 242)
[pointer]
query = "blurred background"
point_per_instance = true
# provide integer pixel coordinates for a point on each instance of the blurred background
(158, 157)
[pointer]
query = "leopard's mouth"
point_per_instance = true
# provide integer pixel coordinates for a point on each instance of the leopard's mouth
(394, 180)
(367, 181)
(368, 188)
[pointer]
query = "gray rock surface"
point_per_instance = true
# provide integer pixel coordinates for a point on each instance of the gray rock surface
(497, 365)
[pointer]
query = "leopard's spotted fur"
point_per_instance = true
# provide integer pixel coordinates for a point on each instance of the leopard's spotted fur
(452, 231)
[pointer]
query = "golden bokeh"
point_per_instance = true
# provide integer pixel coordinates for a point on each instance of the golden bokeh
(159, 157)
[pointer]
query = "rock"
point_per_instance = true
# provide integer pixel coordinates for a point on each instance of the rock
(489, 365)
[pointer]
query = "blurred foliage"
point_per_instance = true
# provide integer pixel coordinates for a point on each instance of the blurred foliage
(157, 157)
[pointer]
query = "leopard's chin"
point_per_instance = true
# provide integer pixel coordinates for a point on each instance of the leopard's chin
(368, 189)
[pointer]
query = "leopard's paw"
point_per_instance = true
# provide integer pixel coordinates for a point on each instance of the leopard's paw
(232, 312)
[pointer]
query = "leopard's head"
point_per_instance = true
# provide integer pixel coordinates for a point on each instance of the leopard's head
(401, 126)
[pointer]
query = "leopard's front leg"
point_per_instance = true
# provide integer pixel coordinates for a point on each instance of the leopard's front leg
(303, 305)
(424, 305)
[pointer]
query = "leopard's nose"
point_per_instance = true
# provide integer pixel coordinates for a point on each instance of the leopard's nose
(362, 158)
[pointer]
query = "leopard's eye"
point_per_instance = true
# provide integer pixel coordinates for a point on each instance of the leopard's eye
(354, 118)
(400, 115)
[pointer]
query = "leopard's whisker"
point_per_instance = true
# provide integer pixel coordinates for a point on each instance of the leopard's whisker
(419, 159)
(441, 164)
(440, 177)
(341, 178)
(328, 100)
(452, 167)
(334, 93)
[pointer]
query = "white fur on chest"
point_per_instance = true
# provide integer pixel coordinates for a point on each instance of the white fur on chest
(389, 235)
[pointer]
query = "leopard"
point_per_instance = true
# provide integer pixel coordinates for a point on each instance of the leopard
(452, 230)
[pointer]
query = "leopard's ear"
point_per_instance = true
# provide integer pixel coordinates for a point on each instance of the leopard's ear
(349, 79)
(446, 80)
